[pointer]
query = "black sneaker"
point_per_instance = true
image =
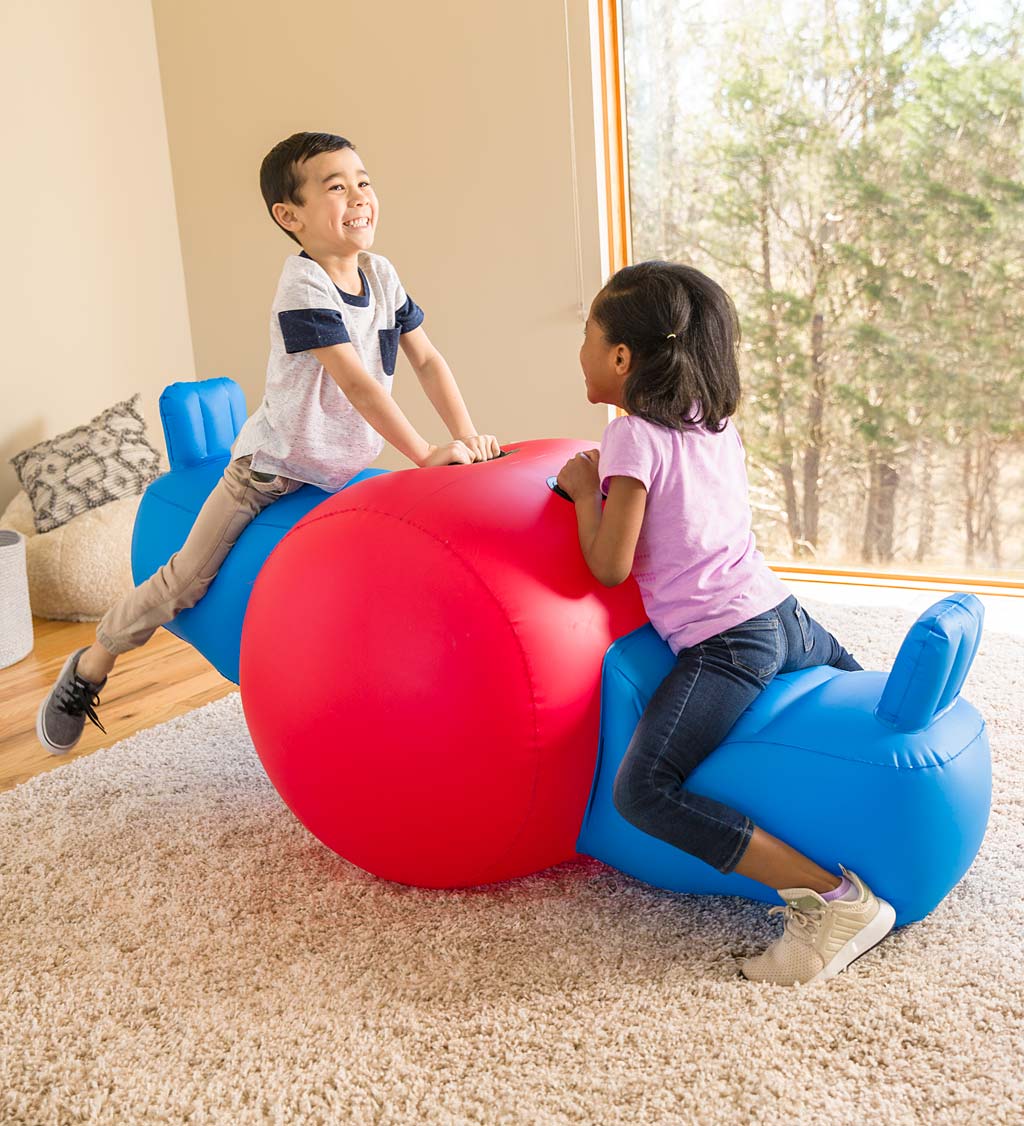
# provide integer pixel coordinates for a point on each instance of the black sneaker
(63, 713)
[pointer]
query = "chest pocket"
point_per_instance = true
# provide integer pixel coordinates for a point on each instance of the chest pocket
(389, 348)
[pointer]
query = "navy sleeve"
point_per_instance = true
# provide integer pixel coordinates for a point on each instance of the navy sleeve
(304, 329)
(409, 316)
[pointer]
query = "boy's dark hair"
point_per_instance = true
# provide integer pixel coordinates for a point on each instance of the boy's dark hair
(280, 177)
(684, 380)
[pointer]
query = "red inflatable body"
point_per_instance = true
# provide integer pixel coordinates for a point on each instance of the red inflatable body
(420, 670)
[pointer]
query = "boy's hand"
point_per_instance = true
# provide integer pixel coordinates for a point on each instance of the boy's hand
(579, 475)
(444, 455)
(482, 446)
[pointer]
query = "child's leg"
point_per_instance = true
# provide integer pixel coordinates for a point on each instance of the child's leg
(776, 865)
(690, 714)
(767, 859)
(829, 922)
(235, 500)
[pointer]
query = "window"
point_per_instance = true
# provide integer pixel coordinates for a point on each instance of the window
(853, 174)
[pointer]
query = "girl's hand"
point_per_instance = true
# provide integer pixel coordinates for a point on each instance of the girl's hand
(579, 475)
(482, 446)
(444, 455)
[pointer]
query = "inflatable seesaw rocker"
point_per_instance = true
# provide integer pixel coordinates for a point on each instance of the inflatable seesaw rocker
(442, 693)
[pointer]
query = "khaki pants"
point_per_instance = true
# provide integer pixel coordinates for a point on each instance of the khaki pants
(237, 499)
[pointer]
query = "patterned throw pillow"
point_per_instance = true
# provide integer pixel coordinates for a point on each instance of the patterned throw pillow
(87, 467)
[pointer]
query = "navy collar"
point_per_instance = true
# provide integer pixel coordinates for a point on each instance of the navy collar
(360, 300)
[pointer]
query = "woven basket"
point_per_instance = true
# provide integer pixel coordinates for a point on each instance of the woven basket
(15, 614)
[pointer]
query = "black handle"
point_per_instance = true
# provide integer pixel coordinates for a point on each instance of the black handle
(554, 486)
(502, 453)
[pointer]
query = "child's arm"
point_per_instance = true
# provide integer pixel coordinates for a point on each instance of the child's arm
(342, 363)
(439, 384)
(608, 538)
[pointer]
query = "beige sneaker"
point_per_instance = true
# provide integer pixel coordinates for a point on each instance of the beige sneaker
(821, 937)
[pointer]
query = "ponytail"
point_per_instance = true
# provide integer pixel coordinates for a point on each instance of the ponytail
(682, 330)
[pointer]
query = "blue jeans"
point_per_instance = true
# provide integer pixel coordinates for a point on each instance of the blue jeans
(693, 710)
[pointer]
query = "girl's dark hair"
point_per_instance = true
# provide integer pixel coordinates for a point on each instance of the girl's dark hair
(687, 380)
(280, 176)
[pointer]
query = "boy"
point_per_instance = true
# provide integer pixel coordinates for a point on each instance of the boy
(337, 321)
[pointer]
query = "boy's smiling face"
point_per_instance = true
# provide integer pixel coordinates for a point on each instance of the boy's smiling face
(339, 210)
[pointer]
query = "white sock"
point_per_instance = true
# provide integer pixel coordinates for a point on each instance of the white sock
(847, 891)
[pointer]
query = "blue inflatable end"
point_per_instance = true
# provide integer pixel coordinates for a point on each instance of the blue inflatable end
(201, 421)
(887, 775)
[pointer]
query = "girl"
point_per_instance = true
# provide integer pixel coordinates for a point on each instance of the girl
(660, 342)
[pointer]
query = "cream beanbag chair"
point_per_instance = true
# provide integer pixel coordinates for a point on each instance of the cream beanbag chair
(77, 571)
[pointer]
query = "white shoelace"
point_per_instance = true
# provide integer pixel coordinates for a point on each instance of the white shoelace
(801, 923)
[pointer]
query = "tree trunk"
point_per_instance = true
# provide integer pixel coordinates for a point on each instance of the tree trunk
(970, 510)
(792, 509)
(989, 532)
(784, 465)
(926, 506)
(878, 545)
(867, 546)
(885, 513)
(815, 433)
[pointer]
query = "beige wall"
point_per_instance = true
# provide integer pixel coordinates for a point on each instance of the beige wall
(92, 299)
(460, 109)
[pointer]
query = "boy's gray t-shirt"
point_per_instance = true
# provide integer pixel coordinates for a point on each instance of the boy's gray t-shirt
(305, 428)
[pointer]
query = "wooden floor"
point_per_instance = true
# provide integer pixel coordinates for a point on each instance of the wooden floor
(163, 679)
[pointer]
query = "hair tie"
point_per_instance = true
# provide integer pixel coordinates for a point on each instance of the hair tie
(671, 336)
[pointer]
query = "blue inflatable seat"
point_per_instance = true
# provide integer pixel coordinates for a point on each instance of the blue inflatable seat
(888, 774)
(201, 421)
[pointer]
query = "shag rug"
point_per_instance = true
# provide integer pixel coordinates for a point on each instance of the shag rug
(177, 948)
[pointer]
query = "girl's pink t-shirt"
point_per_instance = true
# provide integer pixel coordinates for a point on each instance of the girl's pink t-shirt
(696, 562)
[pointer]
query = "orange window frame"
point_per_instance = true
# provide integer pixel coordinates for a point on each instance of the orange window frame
(613, 115)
